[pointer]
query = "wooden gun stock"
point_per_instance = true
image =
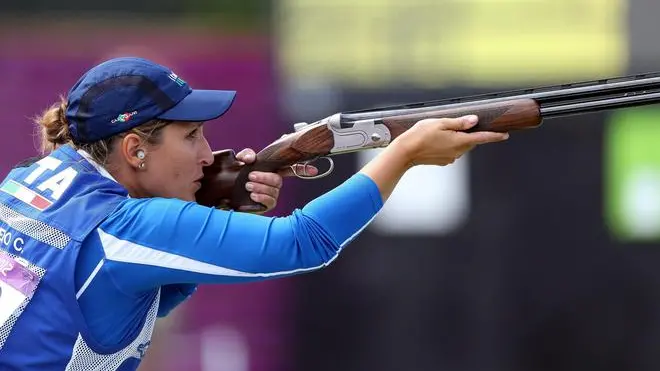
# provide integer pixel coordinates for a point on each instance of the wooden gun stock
(219, 180)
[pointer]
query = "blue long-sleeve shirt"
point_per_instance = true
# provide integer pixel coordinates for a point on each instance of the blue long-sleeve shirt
(151, 243)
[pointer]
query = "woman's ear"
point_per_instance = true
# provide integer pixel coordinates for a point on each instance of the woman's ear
(132, 151)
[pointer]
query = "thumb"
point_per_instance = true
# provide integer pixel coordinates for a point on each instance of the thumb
(459, 123)
(247, 155)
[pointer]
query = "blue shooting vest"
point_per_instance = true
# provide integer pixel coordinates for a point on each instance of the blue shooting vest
(47, 210)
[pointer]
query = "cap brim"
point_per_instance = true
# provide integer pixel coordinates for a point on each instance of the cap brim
(201, 105)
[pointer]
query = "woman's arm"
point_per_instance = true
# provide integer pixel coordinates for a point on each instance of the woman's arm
(153, 242)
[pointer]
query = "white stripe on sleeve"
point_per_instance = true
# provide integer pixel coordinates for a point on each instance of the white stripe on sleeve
(129, 252)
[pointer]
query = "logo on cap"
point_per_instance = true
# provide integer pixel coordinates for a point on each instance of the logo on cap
(124, 117)
(174, 77)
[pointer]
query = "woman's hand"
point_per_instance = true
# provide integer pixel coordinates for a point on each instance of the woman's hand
(428, 142)
(443, 141)
(265, 187)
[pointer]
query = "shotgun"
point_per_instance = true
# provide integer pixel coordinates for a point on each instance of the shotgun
(360, 130)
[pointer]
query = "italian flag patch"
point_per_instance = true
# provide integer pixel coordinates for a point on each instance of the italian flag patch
(26, 195)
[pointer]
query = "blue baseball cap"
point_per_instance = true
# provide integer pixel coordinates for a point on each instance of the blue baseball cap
(122, 93)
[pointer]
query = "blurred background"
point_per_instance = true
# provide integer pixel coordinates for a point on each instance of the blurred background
(536, 254)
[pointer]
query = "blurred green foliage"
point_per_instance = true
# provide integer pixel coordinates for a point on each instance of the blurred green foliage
(232, 14)
(225, 14)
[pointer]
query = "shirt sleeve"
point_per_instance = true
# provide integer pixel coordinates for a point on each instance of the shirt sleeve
(153, 242)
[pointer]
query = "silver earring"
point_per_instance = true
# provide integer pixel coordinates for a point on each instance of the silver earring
(141, 166)
(140, 154)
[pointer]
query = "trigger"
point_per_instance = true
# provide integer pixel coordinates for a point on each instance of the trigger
(305, 176)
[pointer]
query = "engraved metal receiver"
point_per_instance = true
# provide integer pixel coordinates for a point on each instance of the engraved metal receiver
(348, 137)
(351, 136)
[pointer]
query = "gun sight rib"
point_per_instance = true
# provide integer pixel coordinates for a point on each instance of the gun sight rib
(595, 105)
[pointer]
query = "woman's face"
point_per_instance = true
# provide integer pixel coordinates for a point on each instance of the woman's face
(173, 167)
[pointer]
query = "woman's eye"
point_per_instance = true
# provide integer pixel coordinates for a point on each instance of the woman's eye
(193, 134)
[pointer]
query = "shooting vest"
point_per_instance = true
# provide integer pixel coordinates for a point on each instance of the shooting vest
(47, 209)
